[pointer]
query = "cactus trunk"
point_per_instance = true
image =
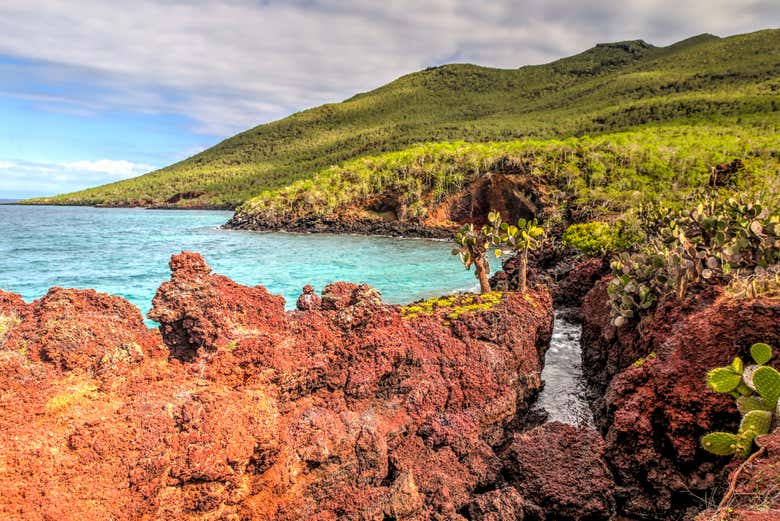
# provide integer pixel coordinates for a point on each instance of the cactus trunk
(481, 271)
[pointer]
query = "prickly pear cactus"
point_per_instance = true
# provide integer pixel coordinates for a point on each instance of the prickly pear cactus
(759, 411)
(720, 443)
(767, 382)
(745, 404)
(723, 379)
(754, 423)
(761, 353)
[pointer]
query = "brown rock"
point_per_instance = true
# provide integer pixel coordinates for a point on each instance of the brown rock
(657, 406)
(308, 300)
(504, 504)
(562, 469)
(81, 329)
(350, 412)
(200, 311)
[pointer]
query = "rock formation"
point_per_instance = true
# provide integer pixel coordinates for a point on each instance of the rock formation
(656, 404)
(240, 410)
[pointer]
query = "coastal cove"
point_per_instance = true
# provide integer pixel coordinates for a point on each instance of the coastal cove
(125, 252)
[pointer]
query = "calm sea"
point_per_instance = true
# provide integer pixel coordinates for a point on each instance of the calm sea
(125, 252)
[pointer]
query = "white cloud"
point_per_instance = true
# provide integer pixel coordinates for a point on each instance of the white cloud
(232, 64)
(36, 178)
(121, 168)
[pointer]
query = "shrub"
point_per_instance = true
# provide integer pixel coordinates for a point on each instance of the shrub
(599, 238)
(718, 238)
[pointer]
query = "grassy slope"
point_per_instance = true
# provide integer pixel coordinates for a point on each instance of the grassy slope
(607, 88)
(602, 175)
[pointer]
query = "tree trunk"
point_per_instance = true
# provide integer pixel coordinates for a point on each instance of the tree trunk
(523, 270)
(482, 275)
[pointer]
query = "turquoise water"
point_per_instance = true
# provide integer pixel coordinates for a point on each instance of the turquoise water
(125, 252)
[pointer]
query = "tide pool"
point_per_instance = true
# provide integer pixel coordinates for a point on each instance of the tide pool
(125, 252)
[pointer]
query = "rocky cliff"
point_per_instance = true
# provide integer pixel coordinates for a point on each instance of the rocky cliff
(236, 409)
(653, 404)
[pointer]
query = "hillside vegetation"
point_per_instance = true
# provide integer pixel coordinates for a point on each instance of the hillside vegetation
(733, 81)
(586, 178)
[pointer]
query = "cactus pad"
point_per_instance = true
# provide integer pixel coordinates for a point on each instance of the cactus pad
(753, 424)
(756, 421)
(767, 383)
(761, 353)
(720, 443)
(737, 365)
(745, 404)
(723, 379)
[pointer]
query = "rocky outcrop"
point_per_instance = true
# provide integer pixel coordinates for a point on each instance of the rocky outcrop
(562, 470)
(509, 190)
(240, 410)
(79, 329)
(656, 404)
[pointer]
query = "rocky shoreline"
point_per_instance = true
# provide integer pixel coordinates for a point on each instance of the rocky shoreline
(359, 227)
(349, 408)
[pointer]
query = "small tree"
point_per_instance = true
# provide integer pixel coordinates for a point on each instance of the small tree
(473, 244)
(521, 239)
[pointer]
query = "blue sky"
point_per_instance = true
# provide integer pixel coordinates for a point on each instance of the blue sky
(93, 91)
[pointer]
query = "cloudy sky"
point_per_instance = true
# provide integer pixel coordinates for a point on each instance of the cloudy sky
(95, 91)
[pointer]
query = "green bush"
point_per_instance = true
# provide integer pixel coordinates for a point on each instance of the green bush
(713, 238)
(599, 238)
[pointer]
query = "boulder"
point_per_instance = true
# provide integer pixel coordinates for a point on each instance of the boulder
(562, 469)
(81, 329)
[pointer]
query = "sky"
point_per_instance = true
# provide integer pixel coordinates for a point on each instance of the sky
(97, 91)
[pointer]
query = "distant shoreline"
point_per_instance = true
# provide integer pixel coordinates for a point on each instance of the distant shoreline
(21, 202)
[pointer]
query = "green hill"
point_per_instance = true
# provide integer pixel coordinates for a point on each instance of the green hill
(611, 87)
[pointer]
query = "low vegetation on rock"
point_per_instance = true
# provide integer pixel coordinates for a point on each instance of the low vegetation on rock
(722, 237)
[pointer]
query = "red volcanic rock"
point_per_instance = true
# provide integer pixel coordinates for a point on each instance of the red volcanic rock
(561, 468)
(200, 311)
(12, 304)
(505, 504)
(308, 300)
(658, 406)
(82, 329)
(352, 412)
(575, 283)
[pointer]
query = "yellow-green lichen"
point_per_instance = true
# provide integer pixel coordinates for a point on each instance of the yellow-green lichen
(641, 361)
(7, 323)
(453, 306)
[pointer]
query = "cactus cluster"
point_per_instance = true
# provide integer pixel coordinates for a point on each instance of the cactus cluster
(473, 244)
(717, 239)
(756, 388)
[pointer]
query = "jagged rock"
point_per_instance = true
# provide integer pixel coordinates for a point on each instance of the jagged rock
(308, 300)
(656, 404)
(350, 412)
(199, 311)
(81, 329)
(561, 469)
(505, 504)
